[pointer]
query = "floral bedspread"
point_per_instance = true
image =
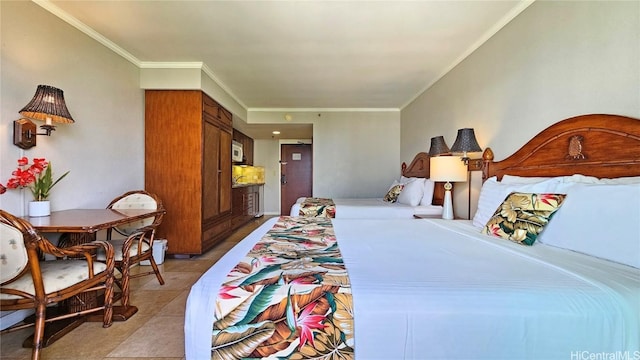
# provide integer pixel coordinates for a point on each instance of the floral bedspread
(318, 207)
(288, 298)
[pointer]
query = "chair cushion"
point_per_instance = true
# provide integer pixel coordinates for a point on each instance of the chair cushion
(117, 249)
(56, 275)
(135, 201)
(13, 254)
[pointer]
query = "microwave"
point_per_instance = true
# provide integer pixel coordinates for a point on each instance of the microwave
(236, 151)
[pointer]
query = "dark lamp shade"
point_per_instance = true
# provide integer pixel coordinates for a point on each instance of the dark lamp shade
(466, 142)
(48, 102)
(438, 146)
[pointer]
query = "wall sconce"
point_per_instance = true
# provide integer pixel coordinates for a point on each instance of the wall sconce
(438, 146)
(47, 105)
(465, 143)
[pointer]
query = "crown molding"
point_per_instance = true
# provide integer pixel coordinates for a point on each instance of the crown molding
(55, 10)
(50, 7)
(323, 109)
(170, 65)
(222, 85)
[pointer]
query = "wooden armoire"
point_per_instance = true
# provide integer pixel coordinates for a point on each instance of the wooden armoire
(188, 165)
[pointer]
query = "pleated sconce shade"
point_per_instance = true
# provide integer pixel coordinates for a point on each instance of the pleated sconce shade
(48, 102)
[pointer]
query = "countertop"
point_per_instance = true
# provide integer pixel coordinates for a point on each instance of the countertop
(241, 185)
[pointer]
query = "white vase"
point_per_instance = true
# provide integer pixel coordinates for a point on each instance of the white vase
(39, 208)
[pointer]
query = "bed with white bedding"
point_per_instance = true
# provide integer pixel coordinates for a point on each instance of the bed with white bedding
(374, 208)
(438, 289)
(426, 295)
(417, 196)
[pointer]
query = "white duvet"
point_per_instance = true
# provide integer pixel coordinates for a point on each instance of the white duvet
(374, 208)
(437, 289)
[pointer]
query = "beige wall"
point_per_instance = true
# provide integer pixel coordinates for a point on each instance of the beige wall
(104, 149)
(267, 154)
(555, 60)
(356, 155)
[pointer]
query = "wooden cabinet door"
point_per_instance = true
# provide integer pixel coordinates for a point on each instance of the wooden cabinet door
(211, 171)
(225, 179)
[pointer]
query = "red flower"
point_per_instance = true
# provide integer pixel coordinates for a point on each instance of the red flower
(307, 322)
(38, 178)
(303, 280)
(547, 198)
(224, 292)
(23, 161)
(2, 189)
(494, 229)
(38, 165)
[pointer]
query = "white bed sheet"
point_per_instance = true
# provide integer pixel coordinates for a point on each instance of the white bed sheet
(444, 291)
(374, 208)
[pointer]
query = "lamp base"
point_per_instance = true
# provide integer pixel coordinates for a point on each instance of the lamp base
(447, 206)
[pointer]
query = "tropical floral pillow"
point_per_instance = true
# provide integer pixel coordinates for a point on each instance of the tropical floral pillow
(522, 216)
(392, 194)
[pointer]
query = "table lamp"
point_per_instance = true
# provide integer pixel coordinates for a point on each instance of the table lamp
(447, 169)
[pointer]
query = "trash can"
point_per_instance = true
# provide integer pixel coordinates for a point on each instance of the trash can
(159, 247)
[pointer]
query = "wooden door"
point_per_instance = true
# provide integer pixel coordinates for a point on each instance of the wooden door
(296, 176)
(210, 172)
(225, 171)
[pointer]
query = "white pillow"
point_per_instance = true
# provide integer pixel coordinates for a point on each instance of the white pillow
(600, 220)
(514, 179)
(579, 178)
(404, 180)
(394, 183)
(494, 192)
(427, 197)
(412, 192)
(622, 180)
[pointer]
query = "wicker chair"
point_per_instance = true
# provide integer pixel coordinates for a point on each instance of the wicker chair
(26, 282)
(139, 242)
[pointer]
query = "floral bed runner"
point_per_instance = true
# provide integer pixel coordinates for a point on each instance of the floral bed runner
(289, 298)
(318, 207)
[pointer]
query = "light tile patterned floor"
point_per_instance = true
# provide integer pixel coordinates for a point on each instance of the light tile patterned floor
(155, 332)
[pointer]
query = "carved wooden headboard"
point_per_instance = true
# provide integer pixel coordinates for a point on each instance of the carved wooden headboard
(604, 146)
(419, 167)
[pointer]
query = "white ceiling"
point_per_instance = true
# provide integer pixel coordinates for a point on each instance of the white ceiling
(300, 54)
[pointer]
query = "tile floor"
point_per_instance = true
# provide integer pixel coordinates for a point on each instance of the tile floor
(155, 332)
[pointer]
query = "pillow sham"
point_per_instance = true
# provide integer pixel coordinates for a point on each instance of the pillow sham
(579, 178)
(522, 216)
(427, 196)
(404, 179)
(493, 192)
(412, 192)
(514, 179)
(600, 220)
(392, 194)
